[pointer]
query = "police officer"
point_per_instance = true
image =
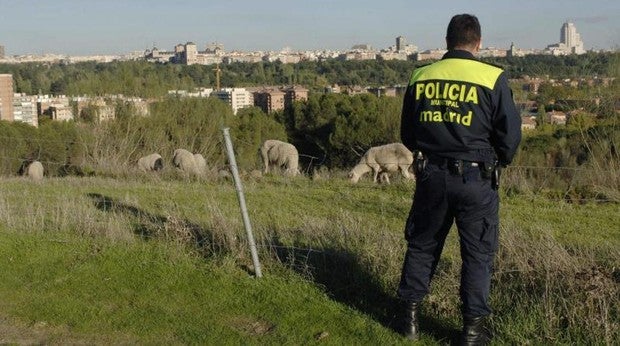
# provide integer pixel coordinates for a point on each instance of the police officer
(460, 119)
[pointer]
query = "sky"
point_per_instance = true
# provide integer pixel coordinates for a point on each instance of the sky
(86, 27)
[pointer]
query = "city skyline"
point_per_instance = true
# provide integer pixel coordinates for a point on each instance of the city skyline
(74, 27)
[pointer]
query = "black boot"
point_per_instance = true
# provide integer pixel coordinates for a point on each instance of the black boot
(410, 321)
(475, 331)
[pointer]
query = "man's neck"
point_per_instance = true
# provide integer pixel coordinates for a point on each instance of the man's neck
(473, 51)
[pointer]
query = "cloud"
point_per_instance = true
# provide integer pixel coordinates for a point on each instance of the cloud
(592, 19)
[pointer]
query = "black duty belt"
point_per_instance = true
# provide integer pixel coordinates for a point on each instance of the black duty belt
(447, 162)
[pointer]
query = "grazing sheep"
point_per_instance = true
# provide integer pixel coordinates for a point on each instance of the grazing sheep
(382, 159)
(201, 163)
(152, 162)
(184, 160)
(384, 177)
(279, 154)
(33, 170)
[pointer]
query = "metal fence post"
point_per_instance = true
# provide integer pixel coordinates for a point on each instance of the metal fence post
(241, 197)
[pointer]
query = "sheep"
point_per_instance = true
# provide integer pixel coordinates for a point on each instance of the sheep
(383, 159)
(152, 162)
(32, 169)
(201, 163)
(185, 161)
(279, 154)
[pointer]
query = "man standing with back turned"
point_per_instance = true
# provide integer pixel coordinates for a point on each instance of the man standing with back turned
(461, 122)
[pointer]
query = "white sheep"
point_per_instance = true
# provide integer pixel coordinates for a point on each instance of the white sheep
(152, 162)
(33, 170)
(278, 154)
(201, 163)
(383, 159)
(184, 160)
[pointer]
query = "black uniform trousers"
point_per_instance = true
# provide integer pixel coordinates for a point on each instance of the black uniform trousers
(441, 197)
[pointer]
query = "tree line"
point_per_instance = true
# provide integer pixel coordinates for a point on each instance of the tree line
(145, 79)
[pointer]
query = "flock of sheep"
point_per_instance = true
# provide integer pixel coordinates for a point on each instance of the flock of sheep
(380, 160)
(276, 155)
(184, 160)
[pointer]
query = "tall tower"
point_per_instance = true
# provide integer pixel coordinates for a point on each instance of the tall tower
(190, 53)
(400, 43)
(1, 52)
(572, 39)
(6, 97)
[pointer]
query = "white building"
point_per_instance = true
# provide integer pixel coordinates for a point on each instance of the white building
(25, 109)
(570, 41)
(570, 37)
(237, 98)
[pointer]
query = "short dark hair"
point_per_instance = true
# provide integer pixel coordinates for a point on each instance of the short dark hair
(463, 31)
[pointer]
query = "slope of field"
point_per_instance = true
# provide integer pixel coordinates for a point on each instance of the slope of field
(147, 260)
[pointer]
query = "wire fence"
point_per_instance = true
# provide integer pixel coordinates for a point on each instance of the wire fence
(212, 172)
(536, 177)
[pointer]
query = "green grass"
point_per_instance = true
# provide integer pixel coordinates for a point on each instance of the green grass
(156, 293)
(146, 261)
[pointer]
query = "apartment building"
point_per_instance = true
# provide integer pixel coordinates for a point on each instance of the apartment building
(237, 98)
(294, 93)
(570, 41)
(54, 107)
(269, 99)
(25, 109)
(6, 97)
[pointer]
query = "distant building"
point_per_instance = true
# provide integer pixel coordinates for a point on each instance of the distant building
(6, 97)
(570, 41)
(269, 99)
(237, 98)
(528, 122)
(400, 43)
(570, 37)
(188, 54)
(102, 110)
(294, 93)
(332, 89)
(434, 54)
(250, 57)
(155, 55)
(556, 117)
(1, 52)
(492, 52)
(391, 91)
(403, 47)
(358, 55)
(25, 109)
(54, 107)
(392, 55)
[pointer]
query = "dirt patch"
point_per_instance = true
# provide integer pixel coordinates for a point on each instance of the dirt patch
(14, 332)
(252, 326)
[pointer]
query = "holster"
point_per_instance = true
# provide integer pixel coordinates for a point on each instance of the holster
(497, 172)
(487, 169)
(491, 170)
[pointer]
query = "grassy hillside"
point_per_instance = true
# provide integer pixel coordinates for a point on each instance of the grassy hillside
(148, 260)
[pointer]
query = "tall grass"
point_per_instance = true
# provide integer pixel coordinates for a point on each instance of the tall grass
(556, 278)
